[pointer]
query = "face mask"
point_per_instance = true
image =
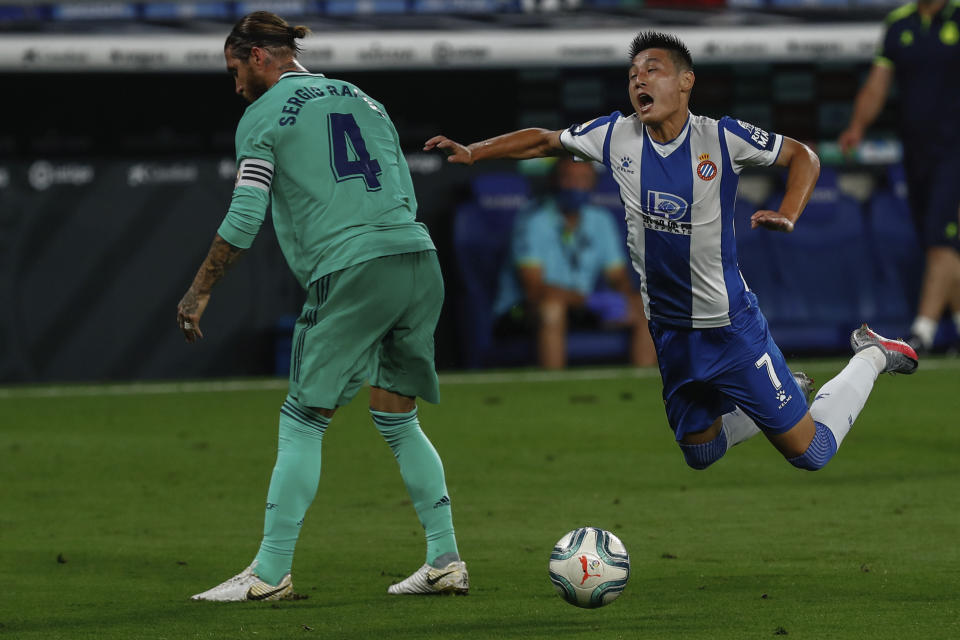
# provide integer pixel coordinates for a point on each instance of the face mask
(571, 199)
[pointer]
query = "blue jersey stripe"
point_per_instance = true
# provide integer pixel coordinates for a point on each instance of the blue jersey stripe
(579, 130)
(670, 277)
(612, 119)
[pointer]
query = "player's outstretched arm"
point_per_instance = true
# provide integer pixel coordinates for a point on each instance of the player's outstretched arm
(222, 254)
(803, 169)
(519, 145)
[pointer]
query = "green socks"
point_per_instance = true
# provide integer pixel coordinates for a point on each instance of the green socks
(422, 473)
(292, 488)
(297, 474)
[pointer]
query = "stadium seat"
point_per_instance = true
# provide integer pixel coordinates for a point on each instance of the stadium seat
(482, 232)
(756, 261)
(824, 269)
(606, 194)
(898, 256)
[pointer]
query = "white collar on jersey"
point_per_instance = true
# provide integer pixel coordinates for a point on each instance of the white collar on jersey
(665, 150)
(301, 73)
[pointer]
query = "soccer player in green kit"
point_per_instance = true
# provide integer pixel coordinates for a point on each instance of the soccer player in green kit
(328, 158)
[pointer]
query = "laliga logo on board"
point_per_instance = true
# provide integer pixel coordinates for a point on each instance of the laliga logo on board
(141, 174)
(706, 170)
(42, 174)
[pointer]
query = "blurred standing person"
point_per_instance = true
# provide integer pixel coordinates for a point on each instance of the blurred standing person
(561, 251)
(921, 51)
(327, 158)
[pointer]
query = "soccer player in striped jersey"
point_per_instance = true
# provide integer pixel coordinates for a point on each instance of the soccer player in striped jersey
(724, 378)
(327, 158)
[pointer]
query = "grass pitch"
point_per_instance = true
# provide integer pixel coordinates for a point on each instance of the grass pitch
(120, 502)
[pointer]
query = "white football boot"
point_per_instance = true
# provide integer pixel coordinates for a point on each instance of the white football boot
(247, 586)
(901, 357)
(426, 580)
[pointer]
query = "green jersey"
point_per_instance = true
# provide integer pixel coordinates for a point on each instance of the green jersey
(327, 158)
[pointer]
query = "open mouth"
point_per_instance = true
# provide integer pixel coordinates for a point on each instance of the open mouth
(645, 102)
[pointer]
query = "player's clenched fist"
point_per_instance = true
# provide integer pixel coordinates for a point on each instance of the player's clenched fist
(456, 152)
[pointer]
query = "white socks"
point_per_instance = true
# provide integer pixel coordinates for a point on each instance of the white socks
(925, 329)
(840, 400)
(738, 427)
(837, 404)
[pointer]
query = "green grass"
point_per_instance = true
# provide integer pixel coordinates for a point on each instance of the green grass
(116, 507)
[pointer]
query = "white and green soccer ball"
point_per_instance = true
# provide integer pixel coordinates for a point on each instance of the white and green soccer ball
(589, 567)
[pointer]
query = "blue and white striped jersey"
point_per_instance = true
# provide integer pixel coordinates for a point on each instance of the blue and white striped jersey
(679, 199)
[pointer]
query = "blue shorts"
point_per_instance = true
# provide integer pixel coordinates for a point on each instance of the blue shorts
(708, 372)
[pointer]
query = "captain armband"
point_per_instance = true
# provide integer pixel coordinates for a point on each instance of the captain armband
(255, 173)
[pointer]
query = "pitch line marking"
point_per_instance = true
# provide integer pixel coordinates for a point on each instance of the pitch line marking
(469, 378)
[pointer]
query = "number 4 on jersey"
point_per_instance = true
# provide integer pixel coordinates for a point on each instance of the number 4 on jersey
(349, 152)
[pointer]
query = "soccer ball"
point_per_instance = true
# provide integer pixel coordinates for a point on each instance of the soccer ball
(589, 567)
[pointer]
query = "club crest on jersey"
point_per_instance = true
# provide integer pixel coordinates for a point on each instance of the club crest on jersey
(706, 170)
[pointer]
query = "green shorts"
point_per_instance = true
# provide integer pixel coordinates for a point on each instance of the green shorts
(372, 321)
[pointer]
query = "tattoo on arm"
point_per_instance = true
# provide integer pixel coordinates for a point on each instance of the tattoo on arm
(221, 256)
(189, 304)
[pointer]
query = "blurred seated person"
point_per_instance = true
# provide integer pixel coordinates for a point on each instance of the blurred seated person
(561, 255)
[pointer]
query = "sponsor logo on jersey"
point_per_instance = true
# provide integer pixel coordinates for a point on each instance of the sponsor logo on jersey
(625, 164)
(706, 170)
(580, 129)
(664, 212)
(782, 398)
(667, 205)
(758, 136)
